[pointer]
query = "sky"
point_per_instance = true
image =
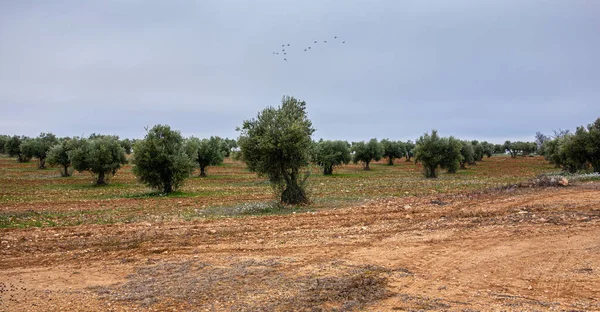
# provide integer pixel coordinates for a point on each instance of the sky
(488, 70)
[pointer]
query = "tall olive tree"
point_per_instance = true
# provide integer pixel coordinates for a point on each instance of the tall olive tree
(331, 153)
(100, 155)
(393, 150)
(161, 160)
(367, 152)
(206, 152)
(277, 144)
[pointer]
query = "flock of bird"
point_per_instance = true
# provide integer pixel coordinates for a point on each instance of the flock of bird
(285, 48)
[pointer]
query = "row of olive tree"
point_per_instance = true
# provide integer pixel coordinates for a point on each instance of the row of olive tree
(579, 151)
(103, 155)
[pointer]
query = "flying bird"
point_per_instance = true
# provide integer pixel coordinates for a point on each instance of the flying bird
(285, 59)
(343, 41)
(315, 41)
(325, 41)
(304, 50)
(288, 44)
(309, 48)
(335, 37)
(284, 53)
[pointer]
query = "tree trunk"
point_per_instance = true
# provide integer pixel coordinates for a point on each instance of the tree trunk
(202, 171)
(100, 180)
(42, 164)
(168, 188)
(66, 173)
(462, 165)
(327, 170)
(367, 165)
(430, 171)
(390, 161)
(293, 194)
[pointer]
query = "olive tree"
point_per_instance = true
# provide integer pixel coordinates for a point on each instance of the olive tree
(468, 155)
(429, 151)
(409, 148)
(331, 153)
(39, 147)
(59, 154)
(160, 159)
(277, 144)
(205, 152)
(478, 150)
(100, 155)
(127, 145)
(367, 152)
(392, 150)
(433, 151)
(452, 156)
(228, 145)
(12, 147)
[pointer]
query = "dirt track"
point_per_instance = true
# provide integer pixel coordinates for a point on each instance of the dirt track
(515, 250)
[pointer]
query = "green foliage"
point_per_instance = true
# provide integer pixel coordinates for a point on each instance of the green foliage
(59, 154)
(488, 149)
(3, 140)
(206, 152)
(523, 148)
(331, 153)
(429, 151)
(277, 144)
(392, 150)
(452, 156)
(467, 153)
(433, 151)
(227, 146)
(160, 159)
(478, 151)
(13, 148)
(367, 152)
(39, 147)
(127, 145)
(575, 151)
(499, 149)
(100, 155)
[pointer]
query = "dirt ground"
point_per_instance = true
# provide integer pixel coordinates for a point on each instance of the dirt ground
(518, 249)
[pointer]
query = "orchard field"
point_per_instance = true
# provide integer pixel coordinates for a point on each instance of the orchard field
(381, 240)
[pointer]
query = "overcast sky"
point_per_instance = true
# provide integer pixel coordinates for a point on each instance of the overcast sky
(488, 70)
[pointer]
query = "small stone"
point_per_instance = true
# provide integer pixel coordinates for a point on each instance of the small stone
(407, 207)
(563, 182)
(212, 231)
